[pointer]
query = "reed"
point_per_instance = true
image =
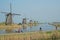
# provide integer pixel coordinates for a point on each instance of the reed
(54, 35)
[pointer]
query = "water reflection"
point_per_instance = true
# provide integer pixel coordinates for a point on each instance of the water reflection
(44, 27)
(2, 31)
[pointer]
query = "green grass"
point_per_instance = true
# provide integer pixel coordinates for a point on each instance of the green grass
(49, 32)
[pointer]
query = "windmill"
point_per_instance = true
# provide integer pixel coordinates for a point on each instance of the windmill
(9, 16)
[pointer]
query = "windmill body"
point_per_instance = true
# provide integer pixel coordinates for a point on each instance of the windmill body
(8, 19)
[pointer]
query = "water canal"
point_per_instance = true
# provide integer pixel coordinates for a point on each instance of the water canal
(44, 27)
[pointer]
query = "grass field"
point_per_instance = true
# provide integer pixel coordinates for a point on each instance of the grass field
(52, 35)
(13, 26)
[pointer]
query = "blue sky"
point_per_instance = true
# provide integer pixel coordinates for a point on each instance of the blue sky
(39, 10)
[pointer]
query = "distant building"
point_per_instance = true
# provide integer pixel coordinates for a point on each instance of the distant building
(24, 21)
(30, 23)
(35, 23)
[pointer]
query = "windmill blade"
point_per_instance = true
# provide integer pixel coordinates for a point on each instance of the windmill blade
(16, 14)
(10, 8)
(26, 18)
(4, 12)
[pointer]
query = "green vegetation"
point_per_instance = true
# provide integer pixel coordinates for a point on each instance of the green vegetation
(2, 23)
(49, 32)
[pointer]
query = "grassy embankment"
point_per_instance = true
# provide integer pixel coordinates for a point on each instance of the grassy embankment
(51, 35)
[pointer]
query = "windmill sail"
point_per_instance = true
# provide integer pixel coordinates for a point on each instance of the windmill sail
(10, 8)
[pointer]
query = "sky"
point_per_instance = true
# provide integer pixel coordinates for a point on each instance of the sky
(38, 10)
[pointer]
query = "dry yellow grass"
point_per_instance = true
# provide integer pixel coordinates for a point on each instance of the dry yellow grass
(28, 36)
(13, 26)
(25, 36)
(9, 28)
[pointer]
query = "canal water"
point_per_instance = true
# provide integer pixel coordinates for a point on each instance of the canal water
(44, 27)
